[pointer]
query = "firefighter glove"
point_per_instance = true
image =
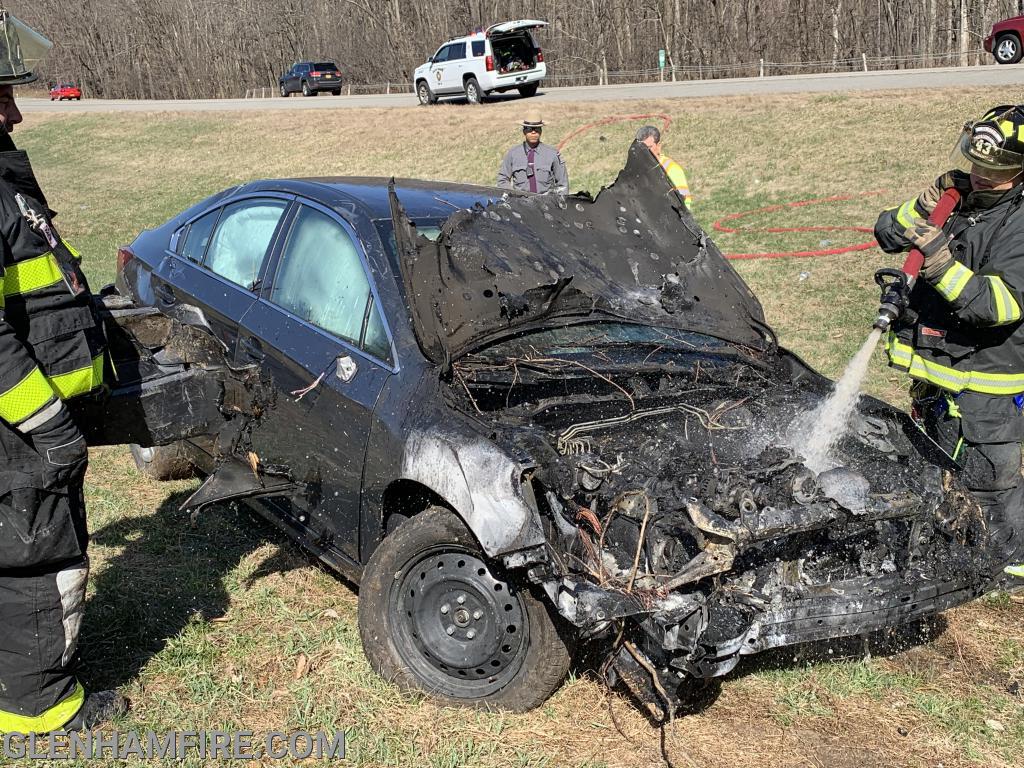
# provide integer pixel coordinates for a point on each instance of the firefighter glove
(62, 447)
(933, 243)
(955, 179)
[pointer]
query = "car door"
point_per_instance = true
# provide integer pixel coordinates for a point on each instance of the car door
(319, 336)
(455, 66)
(217, 262)
(438, 65)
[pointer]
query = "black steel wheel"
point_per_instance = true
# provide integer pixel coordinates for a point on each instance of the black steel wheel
(473, 93)
(437, 616)
(1007, 49)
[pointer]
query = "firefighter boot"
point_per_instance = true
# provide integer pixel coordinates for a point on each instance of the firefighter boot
(99, 707)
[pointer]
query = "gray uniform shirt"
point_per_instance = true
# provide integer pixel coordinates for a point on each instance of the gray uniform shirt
(548, 167)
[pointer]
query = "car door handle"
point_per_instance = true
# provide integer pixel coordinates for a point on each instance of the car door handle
(252, 348)
(346, 368)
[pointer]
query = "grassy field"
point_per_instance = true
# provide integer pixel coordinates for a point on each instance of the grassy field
(221, 623)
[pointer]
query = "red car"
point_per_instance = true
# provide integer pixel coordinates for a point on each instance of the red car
(1004, 40)
(65, 91)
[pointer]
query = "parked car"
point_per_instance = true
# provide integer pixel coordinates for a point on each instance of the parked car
(311, 77)
(67, 91)
(501, 58)
(532, 421)
(1004, 40)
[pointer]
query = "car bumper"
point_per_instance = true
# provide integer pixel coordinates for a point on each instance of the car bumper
(987, 43)
(325, 85)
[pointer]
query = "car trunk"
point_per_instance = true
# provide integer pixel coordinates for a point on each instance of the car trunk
(514, 53)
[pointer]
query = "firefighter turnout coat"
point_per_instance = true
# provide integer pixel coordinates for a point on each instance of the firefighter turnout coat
(963, 331)
(51, 349)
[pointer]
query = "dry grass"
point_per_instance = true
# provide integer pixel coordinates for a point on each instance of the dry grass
(225, 624)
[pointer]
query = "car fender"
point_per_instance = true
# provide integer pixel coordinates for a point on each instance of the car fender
(481, 483)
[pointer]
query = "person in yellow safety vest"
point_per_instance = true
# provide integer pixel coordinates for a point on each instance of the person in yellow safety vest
(650, 137)
(962, 336)
(52, 349)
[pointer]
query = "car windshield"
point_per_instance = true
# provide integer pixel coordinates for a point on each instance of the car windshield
(326, 65)
(429, 228)
(610, 343)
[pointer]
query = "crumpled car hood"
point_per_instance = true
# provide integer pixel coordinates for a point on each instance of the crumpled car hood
(632, 252)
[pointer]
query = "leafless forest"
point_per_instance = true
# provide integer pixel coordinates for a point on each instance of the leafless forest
(218, 48)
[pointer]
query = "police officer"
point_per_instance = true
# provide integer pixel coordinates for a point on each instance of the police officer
(962, 338)
(533, 166)
(51, 350)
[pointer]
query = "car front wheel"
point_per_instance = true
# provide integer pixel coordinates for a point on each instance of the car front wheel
(1008, 49)
(424, 94)
(435, 615)
(473, 93)
(284, 91)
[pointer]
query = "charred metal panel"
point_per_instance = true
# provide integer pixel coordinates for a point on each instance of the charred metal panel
(480, 481)
(632, 252)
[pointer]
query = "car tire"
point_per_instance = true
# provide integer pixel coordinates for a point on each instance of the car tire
(502, 648)
(306, 91)
(164, 462)
(336, 92)
(284, 91)
(473, 93)
(1007, 49)
(424, 94)
(528, 90)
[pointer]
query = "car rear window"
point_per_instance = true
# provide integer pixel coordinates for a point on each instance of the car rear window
(193, 245)
(326, 65)
(242, 238)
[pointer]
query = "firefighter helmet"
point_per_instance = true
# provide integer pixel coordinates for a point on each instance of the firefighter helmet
(21, 50)
(993, 145)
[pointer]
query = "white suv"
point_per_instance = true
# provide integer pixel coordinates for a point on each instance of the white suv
(503, 57)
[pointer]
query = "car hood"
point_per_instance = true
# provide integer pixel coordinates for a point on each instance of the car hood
(633, 253)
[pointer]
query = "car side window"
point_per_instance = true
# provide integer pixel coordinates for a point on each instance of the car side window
(194, 244)
(321, 279)
(478, 47)
(442, 54)
(241, 240)
(456, 51)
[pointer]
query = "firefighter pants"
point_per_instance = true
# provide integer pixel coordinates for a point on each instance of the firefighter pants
(43, 571)
(991, 471)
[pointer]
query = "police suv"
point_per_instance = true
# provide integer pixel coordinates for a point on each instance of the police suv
(501, 58)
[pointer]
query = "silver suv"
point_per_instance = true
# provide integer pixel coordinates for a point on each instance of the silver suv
(501, 58)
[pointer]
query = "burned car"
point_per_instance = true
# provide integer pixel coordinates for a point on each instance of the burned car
(522, 422)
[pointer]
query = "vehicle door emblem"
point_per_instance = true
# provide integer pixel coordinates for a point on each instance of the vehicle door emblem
(346, 369)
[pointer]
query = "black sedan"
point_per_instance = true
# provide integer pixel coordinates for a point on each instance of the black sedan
(523, 421)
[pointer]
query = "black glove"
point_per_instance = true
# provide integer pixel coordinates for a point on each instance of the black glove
(934, 245)
(62, 447)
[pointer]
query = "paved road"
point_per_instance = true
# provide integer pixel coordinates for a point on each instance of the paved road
(944, 77)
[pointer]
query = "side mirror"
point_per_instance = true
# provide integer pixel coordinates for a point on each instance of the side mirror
(430, 59)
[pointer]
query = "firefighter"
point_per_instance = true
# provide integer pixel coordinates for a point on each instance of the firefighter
(650, 137)
(533, 166)
(51, 350)
(962, 337)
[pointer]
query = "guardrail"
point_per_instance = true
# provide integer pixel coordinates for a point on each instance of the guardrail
(759, 68)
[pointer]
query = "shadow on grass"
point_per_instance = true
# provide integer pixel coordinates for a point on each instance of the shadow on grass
(167, 573)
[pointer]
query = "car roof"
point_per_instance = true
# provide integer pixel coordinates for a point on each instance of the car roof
(421, 199)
